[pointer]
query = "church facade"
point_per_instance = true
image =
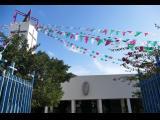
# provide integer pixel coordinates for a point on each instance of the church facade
(99, 94)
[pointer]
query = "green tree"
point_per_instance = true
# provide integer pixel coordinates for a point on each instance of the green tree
(49, 72)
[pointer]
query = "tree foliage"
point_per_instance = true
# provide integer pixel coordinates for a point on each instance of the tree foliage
(143, 61)
(49, 72)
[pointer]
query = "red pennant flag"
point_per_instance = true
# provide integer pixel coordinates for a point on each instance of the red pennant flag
(97, 38)
(97, 53)
(129, 31)
(105, 31)
(141, 48)
(72, 36)
(117, 40)
(86, 39)
(146, 34)
(107, 42)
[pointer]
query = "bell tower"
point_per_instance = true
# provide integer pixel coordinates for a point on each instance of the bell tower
(28, 27)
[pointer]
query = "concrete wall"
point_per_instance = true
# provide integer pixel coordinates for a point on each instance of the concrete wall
(100, 87)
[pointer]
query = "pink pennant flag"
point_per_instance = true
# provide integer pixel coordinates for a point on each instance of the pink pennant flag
(133, 42)
(73, 46)
(143, 43)
(76, 36)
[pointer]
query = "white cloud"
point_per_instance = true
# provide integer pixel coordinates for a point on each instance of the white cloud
(80, 70)
(73, 50)
(105, 68)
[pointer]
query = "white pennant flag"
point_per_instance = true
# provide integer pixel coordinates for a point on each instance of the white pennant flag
(144, 43)
(92, 40)
(76, 37)
(63, 33)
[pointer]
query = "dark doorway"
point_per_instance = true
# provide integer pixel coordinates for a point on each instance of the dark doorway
(63, 107)
(136, 105)
(111, 106)
(86, 106)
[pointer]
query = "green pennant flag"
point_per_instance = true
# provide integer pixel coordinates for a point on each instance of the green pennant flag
(68, 34)
(137, 33)
(109, 38)
(148, 49)
(117, 32)
(125, 40)
(90, 55)
(81, 37)
(100, 41)
(106, 55)
(111, 32)
(102, 59)
(152, 43)
(130, 46)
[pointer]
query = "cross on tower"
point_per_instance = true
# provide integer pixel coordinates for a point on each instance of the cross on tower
(31, 34)
(19, 30)
(12, 68)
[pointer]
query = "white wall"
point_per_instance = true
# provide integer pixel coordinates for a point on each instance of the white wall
(101, 87)
(29, 28)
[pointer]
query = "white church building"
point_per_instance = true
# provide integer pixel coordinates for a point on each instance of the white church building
(98, 94)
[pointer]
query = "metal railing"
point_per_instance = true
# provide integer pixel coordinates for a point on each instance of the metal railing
(15, 94)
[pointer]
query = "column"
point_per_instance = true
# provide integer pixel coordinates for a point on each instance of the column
(129, 105)
(51, 109)
(100, 106)
(46, 109)
(123, 108)
(73, 106)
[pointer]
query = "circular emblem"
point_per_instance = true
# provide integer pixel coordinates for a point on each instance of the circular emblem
(85, 88)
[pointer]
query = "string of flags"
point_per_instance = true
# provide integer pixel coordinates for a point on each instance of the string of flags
(106, 41)
(104, 31)
(131, 44)
(93, 54)
(157, 26)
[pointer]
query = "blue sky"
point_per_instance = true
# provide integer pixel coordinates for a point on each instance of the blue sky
(118, 17)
